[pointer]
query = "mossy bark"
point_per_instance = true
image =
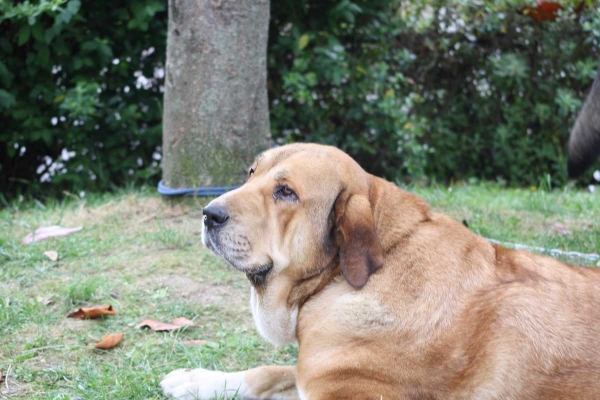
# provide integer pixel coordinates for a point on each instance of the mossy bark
(216, 116)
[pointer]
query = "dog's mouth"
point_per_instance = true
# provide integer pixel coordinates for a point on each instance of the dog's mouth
(258, 277)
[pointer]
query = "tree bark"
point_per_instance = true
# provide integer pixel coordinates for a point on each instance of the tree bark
(216, 116)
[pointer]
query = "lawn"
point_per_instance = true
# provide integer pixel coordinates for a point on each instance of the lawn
(142, 255)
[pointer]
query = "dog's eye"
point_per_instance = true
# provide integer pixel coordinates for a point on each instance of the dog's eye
(285, 192)
(250, 172)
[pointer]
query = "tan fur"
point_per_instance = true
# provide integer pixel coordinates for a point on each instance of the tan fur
(272, 381)
(395, 301)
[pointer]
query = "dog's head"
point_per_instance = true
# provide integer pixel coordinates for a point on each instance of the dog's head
(302, 206)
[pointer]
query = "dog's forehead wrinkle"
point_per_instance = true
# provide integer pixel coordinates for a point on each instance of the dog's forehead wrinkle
(306, 151)
(281, 174)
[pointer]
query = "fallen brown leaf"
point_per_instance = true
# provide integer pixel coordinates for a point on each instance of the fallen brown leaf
(52, 255)
(561, 229)
(198, 342)
(92, 312)
(49, 232)
(182, 321)
(0, 376)
(157, 326)
(109, 341)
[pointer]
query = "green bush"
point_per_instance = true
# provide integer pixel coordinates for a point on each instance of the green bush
(420, 90)
(433, 90)
(80, 98)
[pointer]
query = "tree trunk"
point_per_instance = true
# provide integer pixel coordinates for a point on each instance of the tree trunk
(216, 116)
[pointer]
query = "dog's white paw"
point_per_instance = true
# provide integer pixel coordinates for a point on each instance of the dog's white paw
(192, 384)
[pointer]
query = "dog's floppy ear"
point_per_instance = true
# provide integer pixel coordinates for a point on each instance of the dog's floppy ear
(360, 250)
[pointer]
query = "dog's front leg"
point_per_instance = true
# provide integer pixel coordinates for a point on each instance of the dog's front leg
(273, 382)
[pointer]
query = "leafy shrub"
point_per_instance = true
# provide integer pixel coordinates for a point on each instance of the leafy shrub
(431, 89)
(80, 98)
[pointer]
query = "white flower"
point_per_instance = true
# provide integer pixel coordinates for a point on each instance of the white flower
(597, 175)
(592, 188)
(65, 155)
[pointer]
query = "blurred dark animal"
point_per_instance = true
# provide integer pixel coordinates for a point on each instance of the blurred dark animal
(584, 143)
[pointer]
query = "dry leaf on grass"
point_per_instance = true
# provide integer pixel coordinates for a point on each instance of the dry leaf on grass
(561, 229)
(198, 342)
(109, 341)
(182, 321)
(0, 376)
(157, 326)
(92, 312)
(49, 232)
(52, 255)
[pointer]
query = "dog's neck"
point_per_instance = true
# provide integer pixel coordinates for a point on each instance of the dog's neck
(308, 286)
(275, 320)
(390, 226)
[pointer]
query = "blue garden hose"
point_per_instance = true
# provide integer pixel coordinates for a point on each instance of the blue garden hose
(209, 191)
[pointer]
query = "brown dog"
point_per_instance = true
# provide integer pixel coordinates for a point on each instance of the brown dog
(389, 300)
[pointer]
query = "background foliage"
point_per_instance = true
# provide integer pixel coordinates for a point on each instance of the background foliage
(80, 98)
(426, 90)
(434, 89)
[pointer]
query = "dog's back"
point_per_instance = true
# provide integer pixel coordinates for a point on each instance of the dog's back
(584, 143)
(547, 323)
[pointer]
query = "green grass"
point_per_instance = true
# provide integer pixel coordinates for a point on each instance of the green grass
(142, 255)
(526, 217)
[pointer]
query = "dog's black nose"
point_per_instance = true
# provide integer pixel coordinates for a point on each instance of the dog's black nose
(214, 216)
